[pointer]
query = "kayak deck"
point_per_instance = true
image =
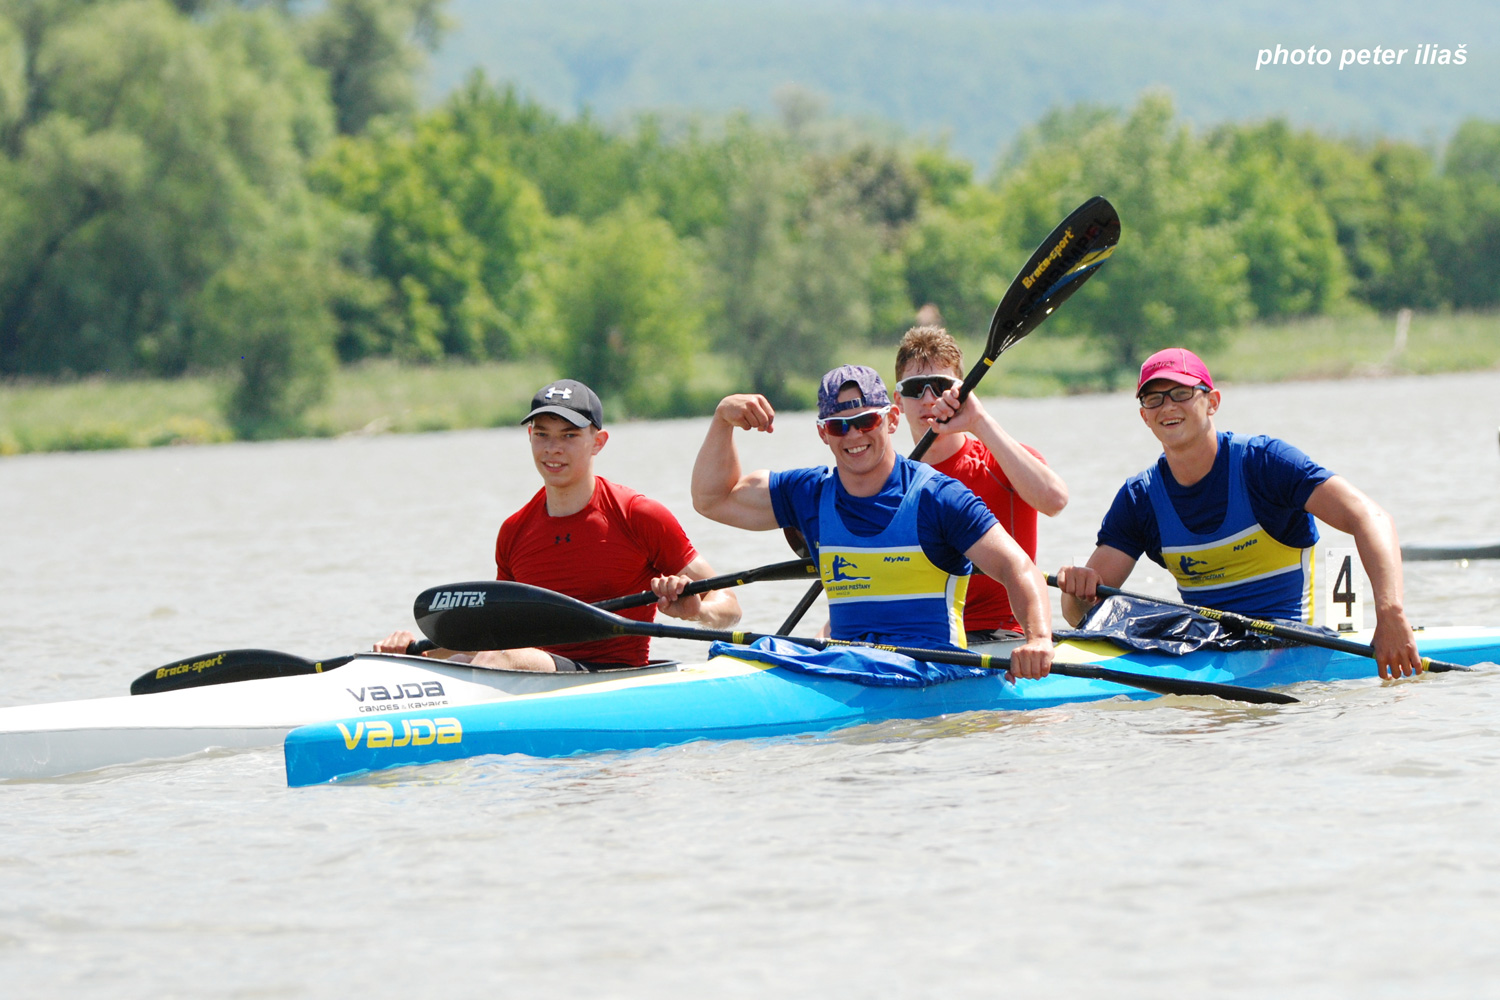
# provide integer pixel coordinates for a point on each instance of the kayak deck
(58, 738)
(728, 698)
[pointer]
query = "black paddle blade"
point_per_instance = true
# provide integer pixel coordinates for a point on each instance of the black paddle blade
(1177, 685)
(497, 614)
(227, 667)
(1059, 267)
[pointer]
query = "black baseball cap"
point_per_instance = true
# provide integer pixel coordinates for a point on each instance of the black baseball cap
(570, 399)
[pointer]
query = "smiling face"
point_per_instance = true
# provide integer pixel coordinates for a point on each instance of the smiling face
(861, 453)
(564, 454)
(1180, 424)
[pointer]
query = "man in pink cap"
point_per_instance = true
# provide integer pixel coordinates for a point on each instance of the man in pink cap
(1231, 518)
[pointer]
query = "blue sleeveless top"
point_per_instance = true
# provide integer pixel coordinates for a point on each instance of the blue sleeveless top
(883, 588)
(1239, 567)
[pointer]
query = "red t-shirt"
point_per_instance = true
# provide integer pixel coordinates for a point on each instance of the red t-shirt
(613, 547)
(988, 606)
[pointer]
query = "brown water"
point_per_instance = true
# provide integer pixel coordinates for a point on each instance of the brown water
(1339, 847)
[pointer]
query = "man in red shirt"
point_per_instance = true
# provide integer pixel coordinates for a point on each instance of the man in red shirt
(1012, 479)
(591, 539)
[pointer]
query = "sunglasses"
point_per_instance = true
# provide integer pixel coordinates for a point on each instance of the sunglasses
(839, 426)
(1181, 394)
(913, 386)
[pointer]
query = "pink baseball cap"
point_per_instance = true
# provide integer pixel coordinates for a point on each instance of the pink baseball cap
(1175, 364)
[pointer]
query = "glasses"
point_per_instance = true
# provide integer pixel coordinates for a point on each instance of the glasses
(915, 385)
(839, 426)
(1181, 394)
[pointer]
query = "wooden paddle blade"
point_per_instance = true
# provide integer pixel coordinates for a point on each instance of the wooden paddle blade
(1067, 258)
(227, 667)
(498, 614)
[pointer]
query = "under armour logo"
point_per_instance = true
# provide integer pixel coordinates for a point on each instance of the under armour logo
(559, 539)
(553, 390)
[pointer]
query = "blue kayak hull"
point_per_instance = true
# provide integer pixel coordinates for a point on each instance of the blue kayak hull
(728, 699)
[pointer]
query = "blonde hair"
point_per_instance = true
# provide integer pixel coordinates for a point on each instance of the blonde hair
(931, 345)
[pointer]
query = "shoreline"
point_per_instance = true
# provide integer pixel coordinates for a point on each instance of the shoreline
(383, 397)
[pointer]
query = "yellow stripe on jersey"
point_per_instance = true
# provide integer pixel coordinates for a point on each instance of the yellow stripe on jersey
(1250, 555)
(881, 574)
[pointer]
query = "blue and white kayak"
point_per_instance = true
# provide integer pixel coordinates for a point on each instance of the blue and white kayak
(729, 697)
(59, 738)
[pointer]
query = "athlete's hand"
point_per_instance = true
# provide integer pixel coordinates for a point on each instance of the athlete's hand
(396, 642)
(1080, 582)
(948, 416)
(1395, 646)
(749, 411)
(1031, 660)
(668, 591)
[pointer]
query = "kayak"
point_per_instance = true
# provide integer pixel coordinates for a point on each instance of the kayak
(729, 697)
(50, 740)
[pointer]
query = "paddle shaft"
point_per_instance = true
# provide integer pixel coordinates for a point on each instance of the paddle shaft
(792, 569)
(985, 661)
(1306, 636)
(234, 665)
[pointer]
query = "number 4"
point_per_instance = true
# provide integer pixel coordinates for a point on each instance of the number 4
(1343, 586)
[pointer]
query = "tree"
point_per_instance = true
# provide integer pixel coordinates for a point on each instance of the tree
(142, 149)
(371, 51)
(1466, 221)
(791, 279)
(454, 230)
(1294, 264)
(1177, 276)
(265, 316)
(627, 305)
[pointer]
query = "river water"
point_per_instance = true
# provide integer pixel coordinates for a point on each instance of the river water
(1340, 847)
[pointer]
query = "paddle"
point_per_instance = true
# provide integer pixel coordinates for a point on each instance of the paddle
(500, 615)
(1067, 258)
(233, 665)
(1296, 633)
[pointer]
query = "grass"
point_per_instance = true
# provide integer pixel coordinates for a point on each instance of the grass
(384, 397)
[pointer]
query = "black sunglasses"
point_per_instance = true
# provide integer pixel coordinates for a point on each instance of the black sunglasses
(1180, 394)
(913, 386)
(839, 426)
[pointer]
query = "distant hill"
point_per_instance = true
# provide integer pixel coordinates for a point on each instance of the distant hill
(976, 71)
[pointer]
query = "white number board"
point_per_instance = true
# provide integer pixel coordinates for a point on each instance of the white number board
(1343, 589)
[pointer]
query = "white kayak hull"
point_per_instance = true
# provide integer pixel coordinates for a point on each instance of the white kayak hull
(60, 738)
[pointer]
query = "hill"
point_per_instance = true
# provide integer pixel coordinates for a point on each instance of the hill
(977, 71)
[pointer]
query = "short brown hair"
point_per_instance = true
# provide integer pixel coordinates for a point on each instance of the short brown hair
(929, 345)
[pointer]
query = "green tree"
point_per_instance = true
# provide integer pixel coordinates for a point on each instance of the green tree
(1177, 276)
(1295, 266)
(142, 150)
(628, 309)
(790, 278)
(454, 230)
(960, 259)
(1466, 220)
(266, 318)
(371, 51)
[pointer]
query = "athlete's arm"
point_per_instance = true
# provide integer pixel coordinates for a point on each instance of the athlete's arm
(716, 609)
(1080, 584)
(998, 555)
(722, 491)
(1339, 504)
(1034, 481)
